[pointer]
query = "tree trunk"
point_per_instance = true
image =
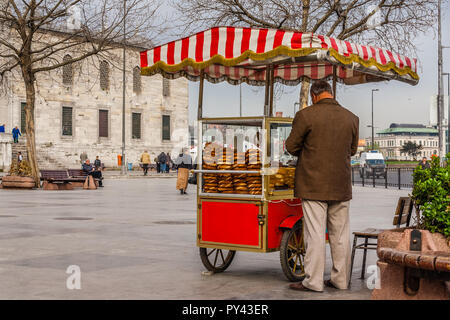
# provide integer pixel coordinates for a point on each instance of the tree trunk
(28, 78)
(304, 93)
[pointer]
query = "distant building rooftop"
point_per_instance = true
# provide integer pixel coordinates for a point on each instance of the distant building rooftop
(401, 125)
(405, 130)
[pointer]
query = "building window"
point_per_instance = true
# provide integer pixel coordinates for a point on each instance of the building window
(165, 127)
(136, 126)
(67, 71)
(23, 126)
(137, 84)
(166, 87)
(104, 75)
(67, 121)
(103, 131)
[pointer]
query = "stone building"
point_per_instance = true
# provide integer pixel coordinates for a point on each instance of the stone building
(79, 109)
(390, 141)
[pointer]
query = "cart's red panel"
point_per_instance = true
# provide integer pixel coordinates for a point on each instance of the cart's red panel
(230, 223)
(278, 211)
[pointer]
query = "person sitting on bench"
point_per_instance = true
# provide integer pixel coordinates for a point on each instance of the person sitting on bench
(90, 170)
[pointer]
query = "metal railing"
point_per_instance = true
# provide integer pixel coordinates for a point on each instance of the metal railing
(401, 178)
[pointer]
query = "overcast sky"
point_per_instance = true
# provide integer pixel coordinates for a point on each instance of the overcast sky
(396, 102)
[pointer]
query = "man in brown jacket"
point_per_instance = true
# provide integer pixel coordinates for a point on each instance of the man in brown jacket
(324, 136)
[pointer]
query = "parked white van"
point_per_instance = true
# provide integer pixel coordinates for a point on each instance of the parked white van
(372, 164)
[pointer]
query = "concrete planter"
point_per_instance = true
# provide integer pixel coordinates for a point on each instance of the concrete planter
(18, 182)
(413, 273)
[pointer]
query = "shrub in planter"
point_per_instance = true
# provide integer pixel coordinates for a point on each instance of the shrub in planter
(22, 169)
(398, 259)
(431, 194)
(19, 176)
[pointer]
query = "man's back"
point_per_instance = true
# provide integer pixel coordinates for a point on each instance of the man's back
(162, 157)
(324, 136)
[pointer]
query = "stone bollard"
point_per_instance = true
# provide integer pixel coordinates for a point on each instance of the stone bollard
(89, 183)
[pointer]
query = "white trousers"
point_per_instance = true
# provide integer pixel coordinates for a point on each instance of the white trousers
(318, 216)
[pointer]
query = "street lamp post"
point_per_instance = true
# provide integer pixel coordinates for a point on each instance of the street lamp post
(448, 106)
(440, 100)
(373, 134)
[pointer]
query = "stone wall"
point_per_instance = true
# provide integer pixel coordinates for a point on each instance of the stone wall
(86, 98)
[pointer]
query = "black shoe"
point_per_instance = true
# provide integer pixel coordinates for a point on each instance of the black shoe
(329, 284)
(181, 191)
(184, 192)
(299, 287)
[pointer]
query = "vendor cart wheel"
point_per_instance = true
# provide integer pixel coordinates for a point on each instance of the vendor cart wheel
(216, 260)
(292, 253)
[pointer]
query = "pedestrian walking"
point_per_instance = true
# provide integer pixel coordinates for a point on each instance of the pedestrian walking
(83, 157)
(162, 158)
(16, 133)
(323, 137)
(158, 165)
(19, 157)
(184, 164)
(145, 160)
(98, 164)
(169, 162)
(424, 163)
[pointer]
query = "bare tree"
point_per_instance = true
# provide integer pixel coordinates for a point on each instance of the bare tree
(393, 24)
(36, 34)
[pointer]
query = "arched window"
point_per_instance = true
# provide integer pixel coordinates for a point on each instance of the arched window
(104, 75)
(137, 85)
(67, 71)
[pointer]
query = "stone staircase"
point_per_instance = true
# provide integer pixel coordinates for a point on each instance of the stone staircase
(19, 147)
(45, 160)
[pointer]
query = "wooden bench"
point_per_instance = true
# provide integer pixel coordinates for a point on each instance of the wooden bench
(402, 216)
(56, 180)
(76, 173)
(64, 179)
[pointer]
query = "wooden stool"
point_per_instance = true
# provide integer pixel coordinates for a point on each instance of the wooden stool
(402, 216)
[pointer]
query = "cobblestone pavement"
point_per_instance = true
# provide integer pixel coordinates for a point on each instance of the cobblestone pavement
(135, 239)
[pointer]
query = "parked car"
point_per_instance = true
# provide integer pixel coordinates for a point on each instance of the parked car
(372, 164)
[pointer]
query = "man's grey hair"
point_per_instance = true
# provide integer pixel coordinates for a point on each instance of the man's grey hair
(319, 87)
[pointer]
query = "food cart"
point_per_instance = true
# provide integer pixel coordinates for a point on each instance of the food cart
(245, 198)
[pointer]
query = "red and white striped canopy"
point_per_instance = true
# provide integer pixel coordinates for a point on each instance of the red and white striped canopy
(236, 55)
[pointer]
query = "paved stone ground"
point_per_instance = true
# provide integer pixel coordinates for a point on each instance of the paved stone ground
(140, 244)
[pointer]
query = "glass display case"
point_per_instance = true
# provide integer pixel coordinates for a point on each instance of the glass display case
(245, 158)
(281, 173)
